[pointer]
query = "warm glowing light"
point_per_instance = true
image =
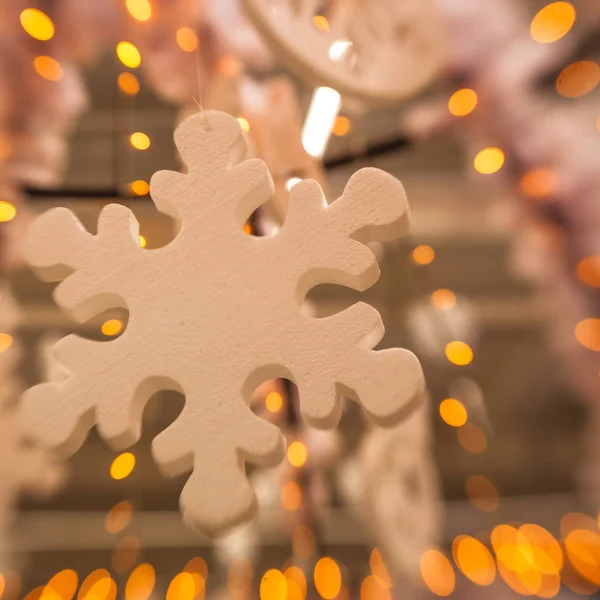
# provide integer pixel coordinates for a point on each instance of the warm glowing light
(118, 517)
(112, 327)
(459, 353)
(122, 465)
(379, 569)
(587, 333)
(197, 565)
(453, 412)
(187, 39)
(239, 578)
(244, 124)
(274, 402)
(128, 83)
(291, 182)
(583, 549)
(129, 55)
(474, 560)
(6, 341)
(125, 554)
(48, 68)
(443, 299)
(488, 161)
(321, 22)
(578, 79)
(61, 587)
(273, 586)
(248, 229)
(341, 126)
(297, 453)
(291, 496)
(98, 585)
(143, 241)
(437, 573)
(35, 594)
(139, 140)
(2, 585)
(423, 255)
(462, 102)
(8, 211)
(588, 271)
(140, 10)
(295, 575)
(303, 541)
(323, 111)
(541, 550)
(472, 438)
(140, 583)
(553, 22)
(139, 187)
(182, 587)
(539, 183)
(328, 578)
(37, 24)
(482, 493)
(371, 588)
(339, 49)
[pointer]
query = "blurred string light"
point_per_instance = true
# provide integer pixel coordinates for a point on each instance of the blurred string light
(48, 68)
(37, 24)
(128, 83)
(61, 586)
(443, 299)
(139, 187)
(296, 581)
(6, 341)
(328, 578)
(8, 211)
(297, 453)
(122, 466)
(182, 587)
(587, 333)
(482, 493)
(578, 79)
(291, 496)
(126, 553)
(322, 113)
(187, 39)
(463, 102)
(129, 55)
(472, 438)
(539, 183)
(274, 402)
(341, 126)
(437, 572)
(143, 241)
(488, 161)
(423, 255)
(371, 588)
(459, 353)
(118, 517)
(140, 583)
(321, 22)
(273, 586)
(141, 10)
(553, 22)
(140, 140)
(244, 124)
(474, 560)
(588, 271)
(379, 569)
(98, 585)
(111, 327)
(453, 412)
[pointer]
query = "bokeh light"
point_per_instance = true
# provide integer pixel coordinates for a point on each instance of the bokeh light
(48, 68)
(443, 299)
(140, 140)
(140, 584)
(139, 187)
(182, 587)
(244, 124)
(379, 569)
(423, 255)
(297, 453)
(327, 578)
(474, 560)
(128, 83)
(482, 493)
(553, 22)
(437, 572)
(6, 341)
(143, 241)
(274, 402)
(472, 438)
(341, 126)
(578, 79)
(583, 549)
(453, 412)
(111, 327)
(296, 580)
(489, 160)
(321, 22)
(187, 39)
(291, 496)
(197, 565)
(8, 211)
(459, 353)
(37, 24)
(61, 586)
(463, 102)
(588, 271)
(122, 466)
(98, 585)
(371, 588)
(118, 517)
(129, 55)
(539, 183)
(273, 586)
(141, 10)
(587, 333)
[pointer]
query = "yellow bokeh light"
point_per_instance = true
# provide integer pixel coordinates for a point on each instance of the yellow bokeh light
(588, 271)
(129, 55)
(128, 83)
(423, 255)
(303, 541)
(488, 161)
(578, 79)
(187, 39)
(239, 578)
(583, 549)
(8, 211)
(459, 353)
(2, 585)
(98, 585)
(482, 493)
(321, 22)
(539, 183)
(141, 10)
(37, 24)
(379, 569)
(62, 586)
(472, 438)
(35, 594)
(182, 587)
(6, 341)
(197, 565)
(291, 496)
(296, 576)
(118, 517)
(327, 578)
(274, 402)
(140, 584)
(48, 68)
(462, 102)
(553, 22)
(371, 588)
(139, 187)
(122, 465)
(474, 560)
(443, 299)
(244, 124)
(143, 241)
(453, 412)
(140, 140)
(342, 126)
(297, 453)
(248, 229)
(112, 327)
(587, 333)
(437, 572)
(541, 550)
(273, 586)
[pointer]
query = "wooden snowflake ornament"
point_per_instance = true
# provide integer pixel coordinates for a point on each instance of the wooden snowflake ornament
(215, 313)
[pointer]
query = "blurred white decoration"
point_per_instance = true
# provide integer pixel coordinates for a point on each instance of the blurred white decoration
(240, 544)
(380, 52)
(322, 113)
(400, 492)
(432, 328)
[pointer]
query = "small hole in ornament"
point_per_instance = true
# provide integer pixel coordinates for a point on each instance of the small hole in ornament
(260, 224)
